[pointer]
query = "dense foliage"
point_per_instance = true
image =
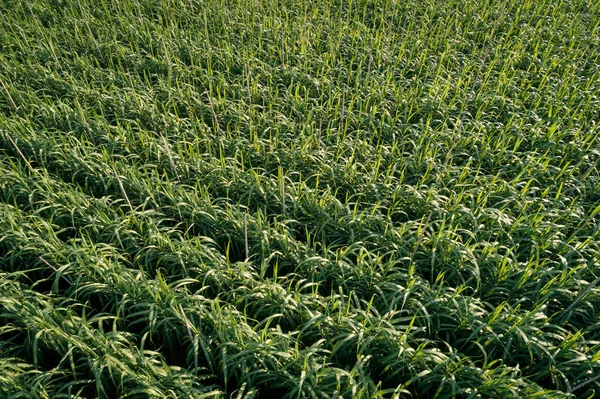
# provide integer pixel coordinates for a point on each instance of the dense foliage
(299, 199)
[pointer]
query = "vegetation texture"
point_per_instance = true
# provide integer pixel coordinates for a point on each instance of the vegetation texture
(299, 199)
